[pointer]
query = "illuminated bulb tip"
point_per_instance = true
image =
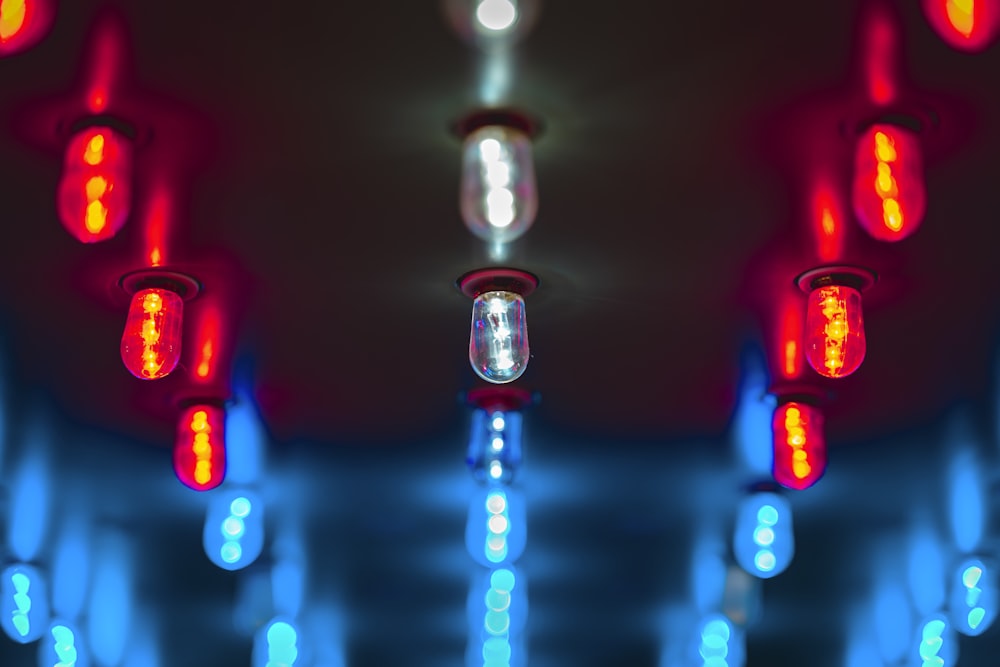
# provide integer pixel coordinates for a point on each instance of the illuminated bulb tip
(971, 576)
(498, 422)
(496, 470)
(497, 444)
(496, 15)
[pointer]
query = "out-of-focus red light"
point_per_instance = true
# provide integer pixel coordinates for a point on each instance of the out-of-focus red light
(200, 448)
(799, 445)
(151, 344)
(95, 192)
(23, 23)
(834, 335)
(967, 25)
(889, 197)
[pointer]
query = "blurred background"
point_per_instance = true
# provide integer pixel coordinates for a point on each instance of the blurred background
(302, 165)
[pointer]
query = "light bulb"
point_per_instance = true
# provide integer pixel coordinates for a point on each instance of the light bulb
(62, 646)
(95, 190)
(496, 528)
(234, 529)
(23, 23)
(834, 339)
(799, 445)
(763, 540)
(937, 645)
(200, 447)
(276, 643)
(494, 446)
(24, 611)
(498, 343)
(151, 343)
(498, 346)
(966, 25)
(973, 606)
(889, 196)
(719, 643)
(498, 196)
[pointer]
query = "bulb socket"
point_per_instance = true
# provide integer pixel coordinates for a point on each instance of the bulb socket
(788, 392)
(181, 284)
(480, 281)
(857, 277)
(502, 398)
(139, 135)
(917, 118)
(512, 118)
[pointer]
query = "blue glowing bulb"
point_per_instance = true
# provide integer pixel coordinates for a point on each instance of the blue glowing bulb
(973, 598)
(24, 612)
(763, 541)
(234, 529)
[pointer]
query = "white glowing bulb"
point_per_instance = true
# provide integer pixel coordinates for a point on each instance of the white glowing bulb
(498, 421)
(496, 15)
(496, 470)
(498, 197)
(498, 346)
(497, 444)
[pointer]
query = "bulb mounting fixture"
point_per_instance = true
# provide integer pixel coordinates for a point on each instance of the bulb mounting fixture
(835, 335)
(151, 342)
(498, 343)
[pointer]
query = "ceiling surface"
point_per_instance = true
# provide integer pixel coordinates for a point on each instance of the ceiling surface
(300, 161)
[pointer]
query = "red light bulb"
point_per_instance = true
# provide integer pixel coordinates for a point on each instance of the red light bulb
(200, 448)
(22, 23)
(95, 192)
(834, 337)
(967, 25)
(889, 197)
(799, 445)
(151, 344)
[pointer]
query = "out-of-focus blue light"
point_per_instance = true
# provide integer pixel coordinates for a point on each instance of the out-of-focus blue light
(245, 442)
(25, 606)
(234, 528)
(495, 532)
(973, 601)
(62, 647)
(287, 586)
(708, 576)
(29, 507)
(110, 609)
(276, 645)
(967, 502)
(937, 645)
(763, 540)
(926, 573)
(752, 421)
(893, 619)
(497, 609)
(494, 453)
(720, 644)
(70, 565)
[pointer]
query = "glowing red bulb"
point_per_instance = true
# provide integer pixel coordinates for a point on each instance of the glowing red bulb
(889, 197)
(95, 193)
(200, 448)
(151, 344)
(967, 25)
(835, 333)
(22, 23)
(799, 445)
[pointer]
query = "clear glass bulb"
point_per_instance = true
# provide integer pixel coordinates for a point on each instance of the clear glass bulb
(498, 196)
(498, 345)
